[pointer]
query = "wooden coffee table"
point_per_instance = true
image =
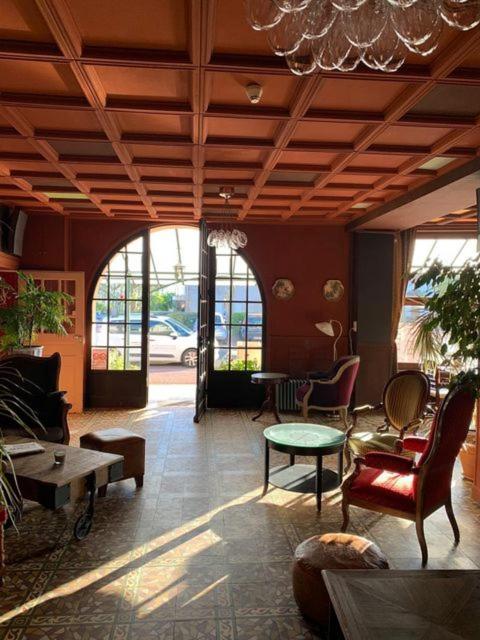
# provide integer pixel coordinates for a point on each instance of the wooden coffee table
(54, 486)
(385, 605)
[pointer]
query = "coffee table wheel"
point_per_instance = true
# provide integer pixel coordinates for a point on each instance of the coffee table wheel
(83, 526)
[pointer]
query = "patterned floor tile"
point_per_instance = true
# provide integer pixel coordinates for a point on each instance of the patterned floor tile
(197, 553)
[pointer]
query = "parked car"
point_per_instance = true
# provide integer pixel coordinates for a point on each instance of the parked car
(169, 340)
(221, 333)
(255, 328)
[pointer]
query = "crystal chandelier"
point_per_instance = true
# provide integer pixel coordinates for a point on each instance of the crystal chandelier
(226, 238)
(339, 34)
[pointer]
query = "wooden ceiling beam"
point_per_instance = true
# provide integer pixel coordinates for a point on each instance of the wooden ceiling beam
(447, 61)
(64, 30)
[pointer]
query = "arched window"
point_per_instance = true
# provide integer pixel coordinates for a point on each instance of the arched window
(239, 315)
(116, 335)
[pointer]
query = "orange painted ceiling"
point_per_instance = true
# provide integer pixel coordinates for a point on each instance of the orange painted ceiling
(138, 109)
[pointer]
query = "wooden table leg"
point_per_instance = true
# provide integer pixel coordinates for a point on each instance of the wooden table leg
(340, 466)
(265, 404)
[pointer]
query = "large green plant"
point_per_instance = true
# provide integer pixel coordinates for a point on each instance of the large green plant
(13, 407)
(31, 309)
(453, 309)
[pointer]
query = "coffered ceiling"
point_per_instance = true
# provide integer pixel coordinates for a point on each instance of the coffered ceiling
(131, 110)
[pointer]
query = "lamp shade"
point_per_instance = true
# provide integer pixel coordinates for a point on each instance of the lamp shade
(326, 328)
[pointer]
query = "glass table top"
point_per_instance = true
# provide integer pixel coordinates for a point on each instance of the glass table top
(297, 434)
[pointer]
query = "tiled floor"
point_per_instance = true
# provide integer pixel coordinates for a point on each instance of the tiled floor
(197, 553)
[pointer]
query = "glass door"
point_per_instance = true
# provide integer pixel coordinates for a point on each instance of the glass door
(118, 348)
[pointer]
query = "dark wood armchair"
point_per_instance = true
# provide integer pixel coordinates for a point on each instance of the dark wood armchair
(35, 381)
(404, 403)
(399, 486)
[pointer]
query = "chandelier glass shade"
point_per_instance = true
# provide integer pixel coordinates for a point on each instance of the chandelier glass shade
(227, 239)
(341, 34)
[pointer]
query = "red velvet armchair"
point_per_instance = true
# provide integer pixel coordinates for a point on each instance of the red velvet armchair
(399, 486)
(332, 390)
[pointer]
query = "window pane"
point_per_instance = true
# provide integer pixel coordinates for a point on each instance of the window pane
(254, 292)
(99, 310)
(222, 289)
(99, 335)
(117, 311)
(134, 263)
(118, 264)
(239, 290)
(99, 359)
(134, 288)
(221, 360)
(239, 313)
(116, 359)
(223, 266)
(101, 290)
(116, 335)
(136, 246)
(239, 266)
(134, 312)
(222, 334)
(133, 359)
(222, 312)
(117, 288)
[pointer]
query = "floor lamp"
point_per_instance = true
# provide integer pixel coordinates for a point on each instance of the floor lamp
(328, 328)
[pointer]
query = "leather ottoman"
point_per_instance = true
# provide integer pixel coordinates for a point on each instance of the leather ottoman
(330, 551)
(122, 442)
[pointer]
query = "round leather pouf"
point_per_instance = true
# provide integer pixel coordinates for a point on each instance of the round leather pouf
(330, 551)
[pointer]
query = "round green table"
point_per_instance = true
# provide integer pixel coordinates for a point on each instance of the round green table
(300, 439)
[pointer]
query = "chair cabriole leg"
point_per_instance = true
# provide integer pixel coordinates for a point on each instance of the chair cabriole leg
(452, 519)
(421, 539)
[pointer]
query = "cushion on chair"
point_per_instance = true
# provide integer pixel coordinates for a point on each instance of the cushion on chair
(385, 488)
(361, 443)
(330, 551)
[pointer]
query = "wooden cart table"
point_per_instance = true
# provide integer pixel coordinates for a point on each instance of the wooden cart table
(393, 605)
(54, 486)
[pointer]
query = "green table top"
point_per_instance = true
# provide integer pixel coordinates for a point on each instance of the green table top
(309, 436)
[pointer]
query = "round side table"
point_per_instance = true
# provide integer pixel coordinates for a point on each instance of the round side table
(300, 439)
(270, 381)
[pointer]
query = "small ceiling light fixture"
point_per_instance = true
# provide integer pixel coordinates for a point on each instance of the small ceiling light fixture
(254, 92)
(339, 34)
(222, 238)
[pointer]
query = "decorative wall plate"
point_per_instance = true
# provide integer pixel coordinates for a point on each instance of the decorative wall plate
(333, 290)
(283, 289)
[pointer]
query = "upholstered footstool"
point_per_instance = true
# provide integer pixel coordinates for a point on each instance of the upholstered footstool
(330, 551)
(122, 442)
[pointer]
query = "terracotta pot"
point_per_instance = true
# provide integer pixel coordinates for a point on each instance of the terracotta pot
(467, 460)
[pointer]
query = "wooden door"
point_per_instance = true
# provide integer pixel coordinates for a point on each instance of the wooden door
(71, 346)
(204, 323)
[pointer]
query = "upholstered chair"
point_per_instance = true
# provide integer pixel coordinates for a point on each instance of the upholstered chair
(332, 390)
(36, 383)
(404, 402)
(399, 486)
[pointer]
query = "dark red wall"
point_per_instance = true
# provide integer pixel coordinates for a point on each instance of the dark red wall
(307, 255)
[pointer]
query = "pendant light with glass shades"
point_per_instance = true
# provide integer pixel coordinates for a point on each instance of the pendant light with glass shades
(341, 34)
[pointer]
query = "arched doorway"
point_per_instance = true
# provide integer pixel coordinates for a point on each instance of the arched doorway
(144, 314)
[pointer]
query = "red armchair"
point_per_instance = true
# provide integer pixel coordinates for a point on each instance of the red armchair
(399, 486)
(330, 391)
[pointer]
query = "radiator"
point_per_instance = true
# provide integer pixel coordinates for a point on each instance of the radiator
(286, 391)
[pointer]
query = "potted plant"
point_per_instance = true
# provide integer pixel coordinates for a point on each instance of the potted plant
(26, 312)
(13, 407)
(452, 320)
